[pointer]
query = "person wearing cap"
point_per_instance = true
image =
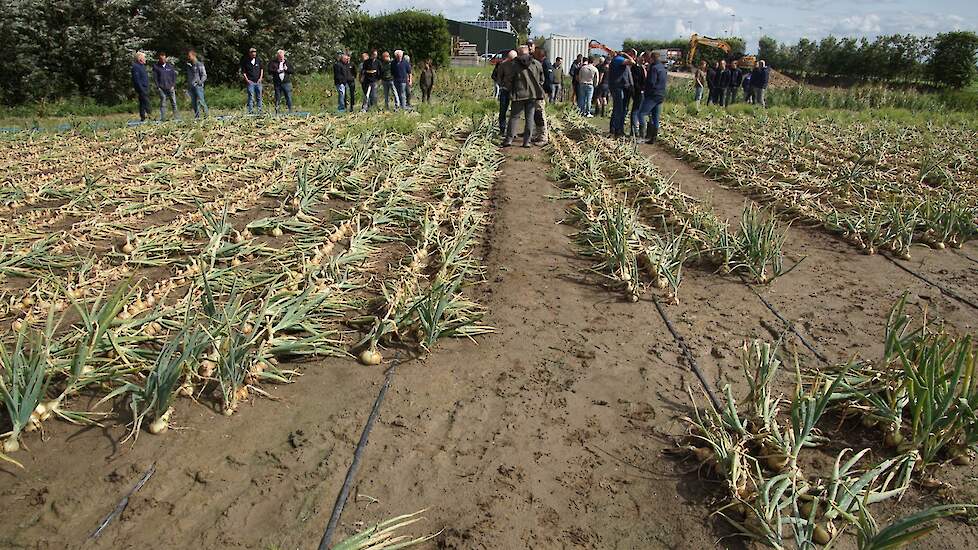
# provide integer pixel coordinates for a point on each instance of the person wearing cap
(253, 72)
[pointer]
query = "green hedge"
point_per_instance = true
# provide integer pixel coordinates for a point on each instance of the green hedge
(420, 34)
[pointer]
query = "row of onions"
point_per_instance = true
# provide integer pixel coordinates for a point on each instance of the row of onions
(921, 396)
(881, 188)
(114, 217)
(641, 228)
(216, 301)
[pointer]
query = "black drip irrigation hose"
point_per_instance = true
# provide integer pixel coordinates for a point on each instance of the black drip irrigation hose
(124, 503)
(334, 518)
(687, 354)
(791, 326)
(945, 291)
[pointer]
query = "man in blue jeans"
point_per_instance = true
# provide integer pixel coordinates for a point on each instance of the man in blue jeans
(655, 94)
(587, 81)
(342, 76)
(502, 75)
(140, 82)
(165, 77)
(282, 79)
(401, 69)
(620, 84)
(196, 76)
(253, 72)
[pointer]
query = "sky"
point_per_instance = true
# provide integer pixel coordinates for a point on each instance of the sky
(611, 21)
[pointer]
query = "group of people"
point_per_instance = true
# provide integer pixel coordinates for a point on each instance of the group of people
(395, 74)
(253, 71)
(524, 82)
(724, 83)
(634, 83)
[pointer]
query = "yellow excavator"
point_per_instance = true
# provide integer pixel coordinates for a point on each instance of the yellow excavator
(695, 40)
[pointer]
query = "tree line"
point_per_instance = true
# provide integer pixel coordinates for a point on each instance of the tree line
(68, 48)
(947, 59)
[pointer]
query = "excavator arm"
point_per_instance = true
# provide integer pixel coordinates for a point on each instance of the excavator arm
(695, 40)
(595, 45)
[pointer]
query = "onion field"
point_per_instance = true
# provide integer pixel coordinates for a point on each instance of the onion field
(210, 272)
(881, 185)
(760, 328)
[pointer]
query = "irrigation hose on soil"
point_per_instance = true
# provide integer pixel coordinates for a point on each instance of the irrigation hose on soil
(791, 326)
(687, 354)
(945, 291)
(334, 518)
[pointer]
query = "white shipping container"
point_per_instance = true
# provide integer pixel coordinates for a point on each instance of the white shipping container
(566, 48)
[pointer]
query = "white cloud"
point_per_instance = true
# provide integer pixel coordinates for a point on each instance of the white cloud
(611, 21)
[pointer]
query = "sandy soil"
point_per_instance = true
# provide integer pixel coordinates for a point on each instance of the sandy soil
(547, 434)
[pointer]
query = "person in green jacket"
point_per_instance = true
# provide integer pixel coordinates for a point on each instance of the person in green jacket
(525, 89)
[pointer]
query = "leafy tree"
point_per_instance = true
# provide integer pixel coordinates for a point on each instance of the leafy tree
(517, 12)
(58, 48)
(767, 49)
(952, 62)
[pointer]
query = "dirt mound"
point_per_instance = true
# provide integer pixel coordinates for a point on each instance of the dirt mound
(779, 80)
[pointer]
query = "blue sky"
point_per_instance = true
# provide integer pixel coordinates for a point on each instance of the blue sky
(787, 20)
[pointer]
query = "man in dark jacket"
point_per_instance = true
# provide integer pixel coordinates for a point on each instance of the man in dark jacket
(281, 71)
(638, 90)
(572, 73)
(736, 77)
(165, 76)
(655, 94)
(401, 70)
(542, 136)
(253, 72)
(351, 84)
(758, 83)
(525, 90)
(504, 75)
(723, 83)
(140, 82)
(711, 84)
(620, 85)
(386, 74)
(341, 76)
(369, 74)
